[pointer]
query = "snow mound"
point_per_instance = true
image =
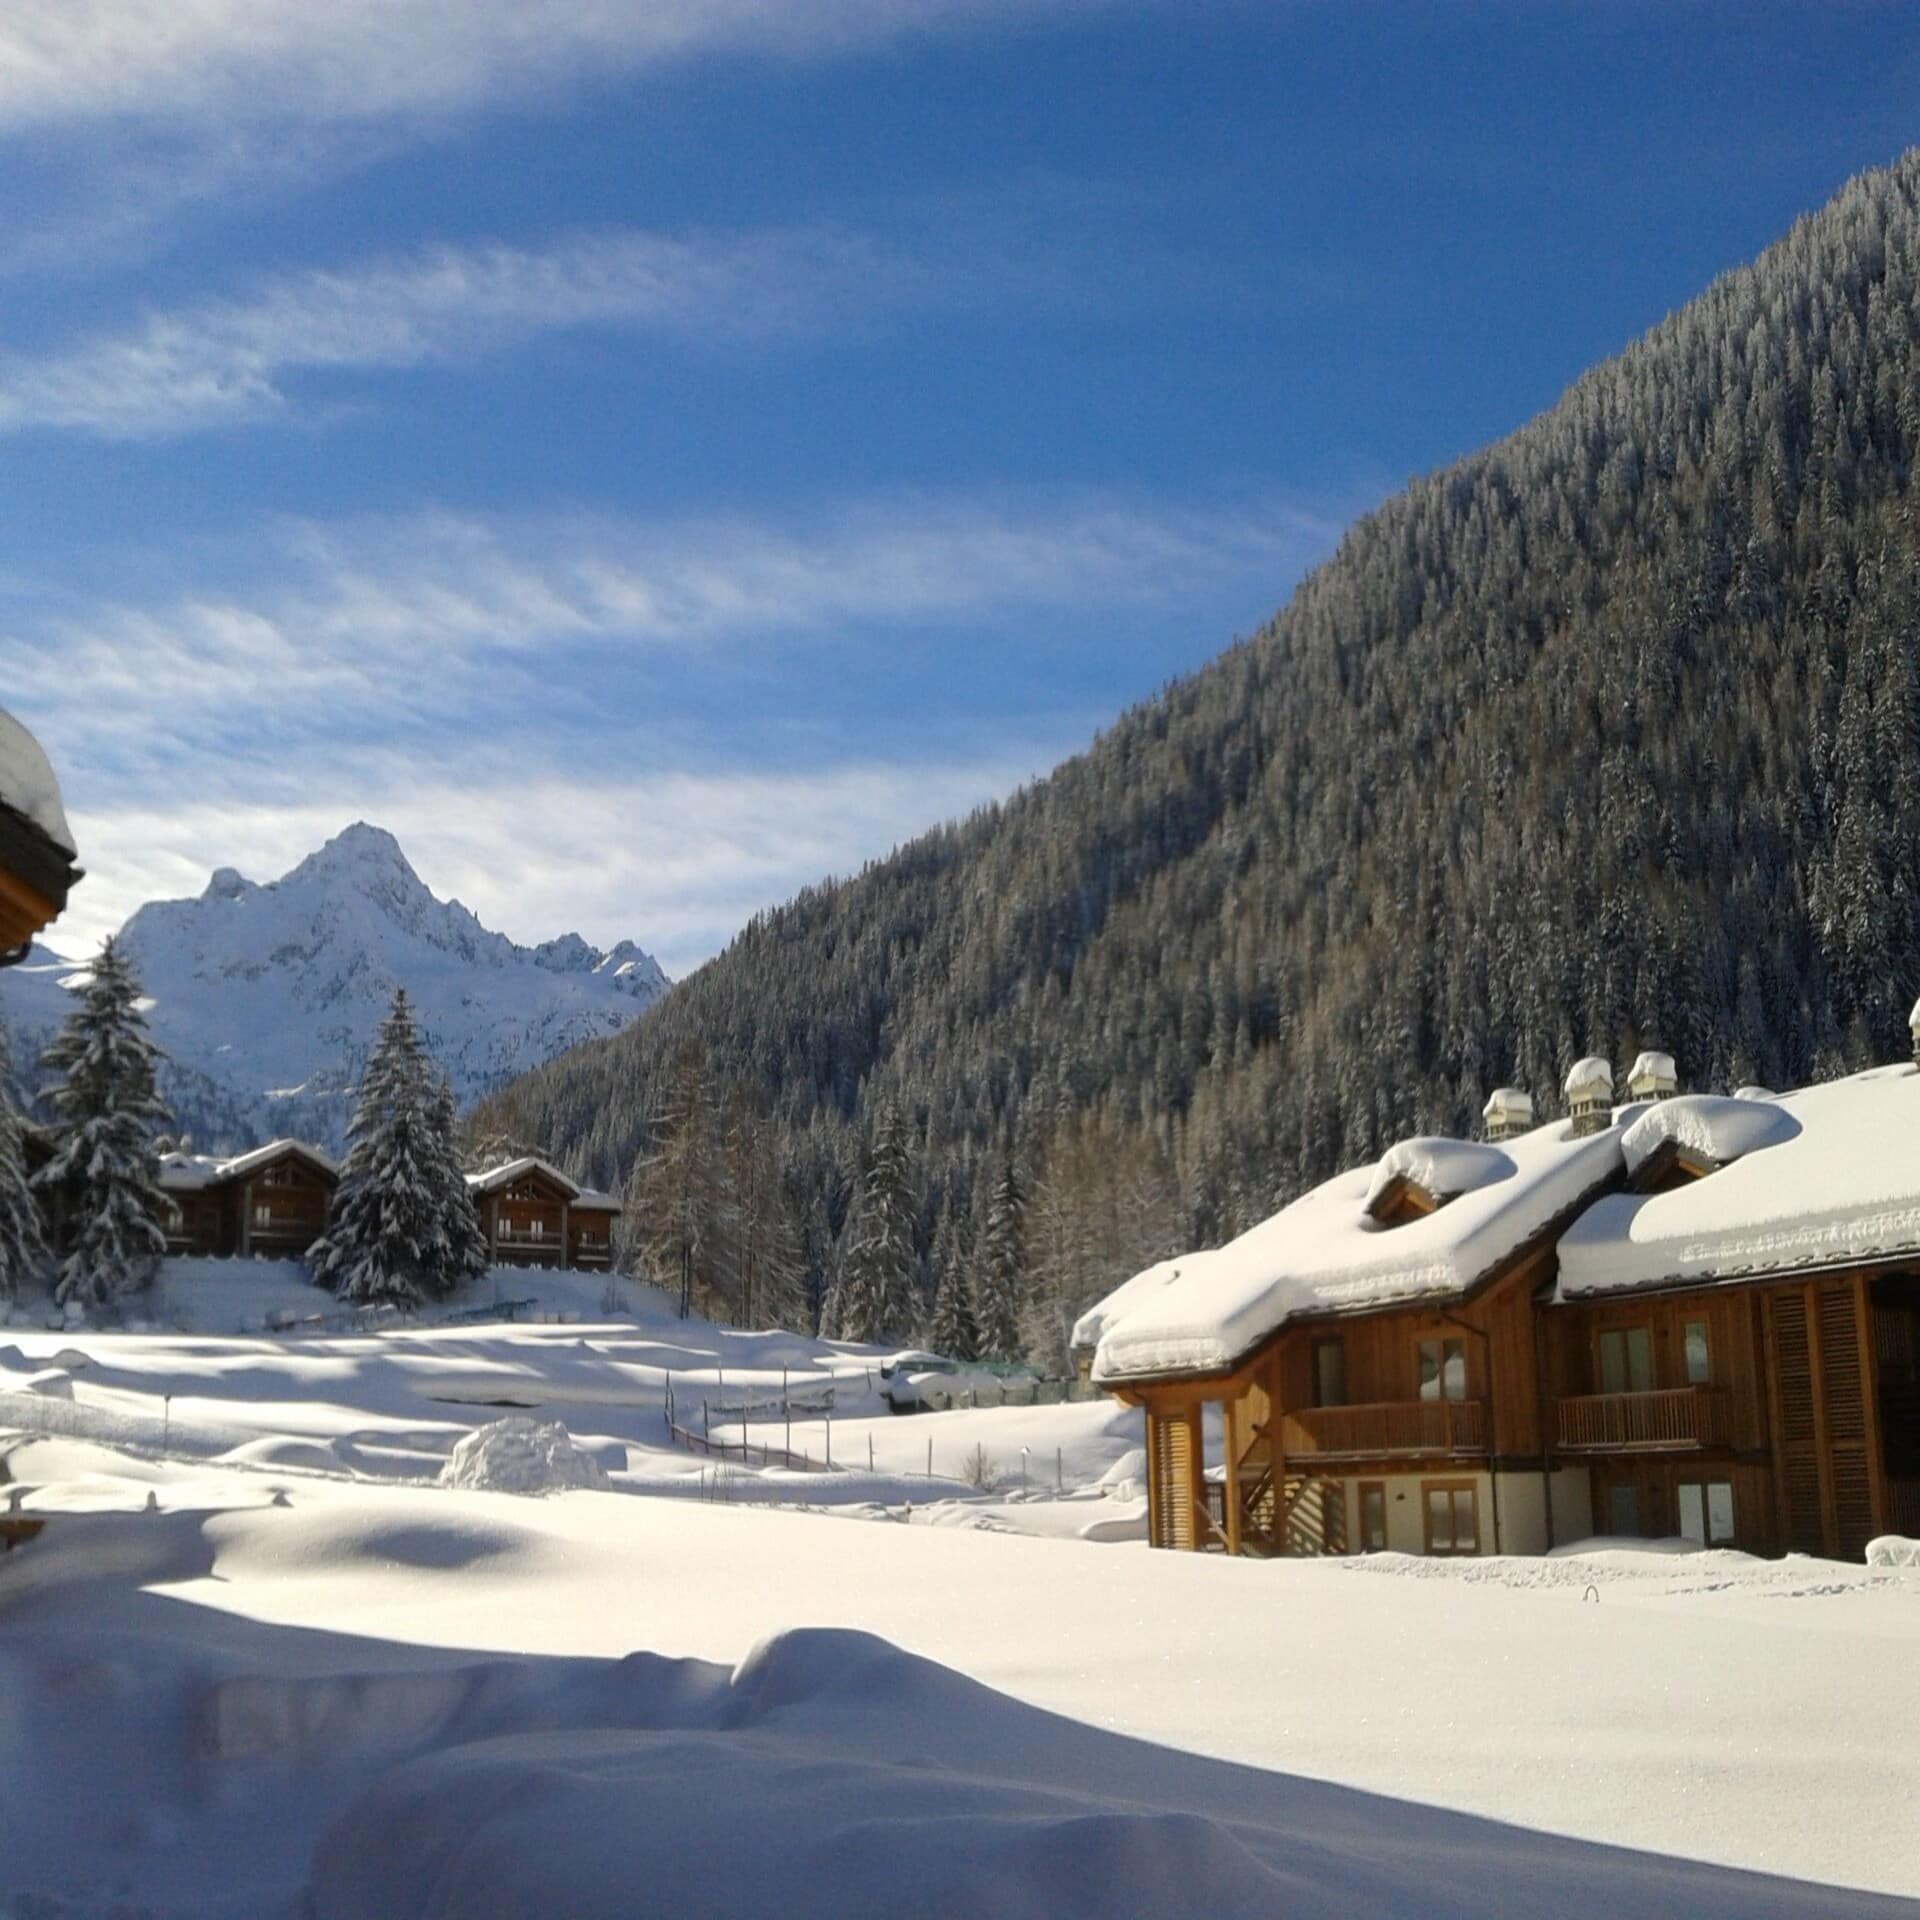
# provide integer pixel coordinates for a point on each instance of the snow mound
(517, 1455)
(1706, 1124)
(1129, 1470)
(1444, 1167)
(1892, 1550)
(27, 783)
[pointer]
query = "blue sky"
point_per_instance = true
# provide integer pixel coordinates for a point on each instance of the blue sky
(652, 455)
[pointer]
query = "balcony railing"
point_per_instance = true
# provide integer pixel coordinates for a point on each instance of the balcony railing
(1386, 1427)
(1671, 1420)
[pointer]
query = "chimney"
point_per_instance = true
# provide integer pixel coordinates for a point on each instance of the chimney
(1913, 1027)
(1508, 1113)
(1590, 1095)
(1652, 1077)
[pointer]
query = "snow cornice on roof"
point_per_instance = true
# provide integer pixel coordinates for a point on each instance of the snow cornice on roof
(195, 1172)
(1801, 1183)
(509, 1171)
(1325, 1256)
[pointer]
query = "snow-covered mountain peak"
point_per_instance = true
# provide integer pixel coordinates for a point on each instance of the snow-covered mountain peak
(266, 995)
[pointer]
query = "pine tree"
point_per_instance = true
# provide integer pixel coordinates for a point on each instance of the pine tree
(1003, 1268)
(953, 1331)
(103, 1163)
(878, 1299)
(397, 1235)
(678, 1198)
(467, 1251)
(23, 1246)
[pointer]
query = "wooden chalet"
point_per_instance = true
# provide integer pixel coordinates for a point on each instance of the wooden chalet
(535, 1216)
(269, 1204)
(1694, 1317)
(37, 856)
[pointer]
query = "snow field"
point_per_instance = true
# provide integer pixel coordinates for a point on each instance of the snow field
(302, 1681)
(410, 1701)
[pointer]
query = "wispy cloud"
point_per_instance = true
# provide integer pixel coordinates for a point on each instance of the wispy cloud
(405, 625)
(66, 61)
(651, 727)
(229, 362)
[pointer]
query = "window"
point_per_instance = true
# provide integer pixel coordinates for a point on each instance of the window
(1626, 1361)
(263, 1215)
(536, 1229)
(1699, 1355)
(1330, 1373)
(1443, 1369)
(1706, 1512)
(1453, 1516)
(1623, 1513)
(1373, 1516)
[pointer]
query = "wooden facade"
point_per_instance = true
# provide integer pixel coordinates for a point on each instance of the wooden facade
(535, 1216)
(1386, 1427)
(1774, 1414)
(270, 1204)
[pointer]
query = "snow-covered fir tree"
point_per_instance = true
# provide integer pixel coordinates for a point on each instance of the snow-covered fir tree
(104, 1165)
(878, 1298)
(1003, 1267)
(953, 1330)
(467, 1252)
(23, 1246)
(402, 1228)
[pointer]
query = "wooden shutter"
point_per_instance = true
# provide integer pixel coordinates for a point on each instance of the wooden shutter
(1796, 1436)
(1843, 1391)
(1170, 1468)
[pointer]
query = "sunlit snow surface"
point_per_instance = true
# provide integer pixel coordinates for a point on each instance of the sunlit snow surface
(259, 1664)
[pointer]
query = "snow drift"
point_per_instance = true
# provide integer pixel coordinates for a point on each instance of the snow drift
(517, 1455)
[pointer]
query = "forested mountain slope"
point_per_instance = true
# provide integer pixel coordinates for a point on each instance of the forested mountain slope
(1606, 736)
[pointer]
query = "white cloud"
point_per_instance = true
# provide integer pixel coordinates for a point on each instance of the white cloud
(67, 61)
(227, 362)
(553, 715)
(678, 860)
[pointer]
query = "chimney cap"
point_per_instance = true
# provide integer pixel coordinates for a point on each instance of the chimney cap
(1753, 1092)
(1508, 1103)
(1913, 1019)
(1652, 1065)
(1590, 1075)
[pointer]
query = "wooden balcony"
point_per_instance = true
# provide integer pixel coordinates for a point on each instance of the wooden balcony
(1672, 1420)
(1386, 1428)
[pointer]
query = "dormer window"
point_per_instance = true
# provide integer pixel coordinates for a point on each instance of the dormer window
(1401, 1200)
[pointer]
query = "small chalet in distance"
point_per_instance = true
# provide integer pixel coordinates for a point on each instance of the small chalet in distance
(269, 1204)
(535, 1216)
(1692, 1316)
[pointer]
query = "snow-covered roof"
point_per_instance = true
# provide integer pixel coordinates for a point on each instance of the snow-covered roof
(592, 1200)
(1204, 1312)
(28, 786)
(1807, 1179)
(509, 1171)
(1707, 1126)
(1438, 1166)
(194, 1172)
(1590, 1074)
